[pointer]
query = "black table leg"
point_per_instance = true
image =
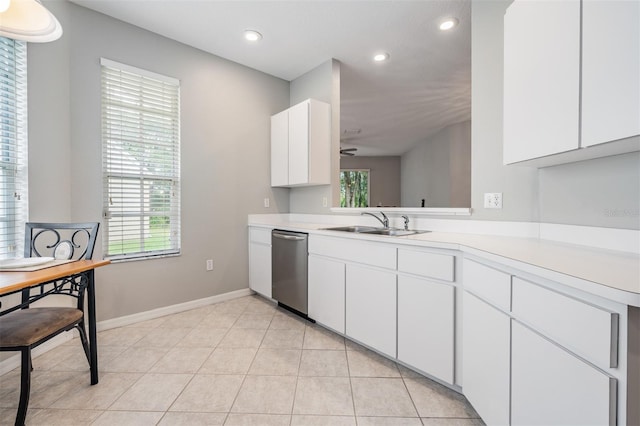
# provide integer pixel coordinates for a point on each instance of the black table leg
(93, 336)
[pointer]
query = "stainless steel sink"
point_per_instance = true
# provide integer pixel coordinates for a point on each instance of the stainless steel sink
(375, 231)
(393, 232)
(352, 228)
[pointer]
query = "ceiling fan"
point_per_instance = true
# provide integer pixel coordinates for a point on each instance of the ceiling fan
(350, 152)
(348, 134)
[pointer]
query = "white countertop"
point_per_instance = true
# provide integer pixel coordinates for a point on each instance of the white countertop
(610, 274)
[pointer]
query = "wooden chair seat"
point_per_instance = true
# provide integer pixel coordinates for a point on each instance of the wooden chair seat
(27, 327)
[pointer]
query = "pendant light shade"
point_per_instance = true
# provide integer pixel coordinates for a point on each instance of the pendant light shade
(28, 20)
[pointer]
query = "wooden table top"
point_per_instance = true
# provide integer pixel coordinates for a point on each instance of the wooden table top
(11, 281)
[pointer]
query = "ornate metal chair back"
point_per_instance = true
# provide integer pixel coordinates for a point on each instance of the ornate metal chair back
(60, 240)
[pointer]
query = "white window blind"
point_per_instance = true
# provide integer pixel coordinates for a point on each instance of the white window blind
(14, 206)
(141, 162)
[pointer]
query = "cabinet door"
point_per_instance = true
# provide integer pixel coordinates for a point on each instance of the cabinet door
(541, 78)
(319, 142)
(485, 363)
(425, 326)
(610, 70)
(371, 308)
(299, 144)
(550, 386)
(280, 149)
(327, 292)
(260, 269)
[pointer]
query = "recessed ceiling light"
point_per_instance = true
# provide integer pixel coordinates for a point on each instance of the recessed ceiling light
(448, 24)
(252, 35)
(381, 57)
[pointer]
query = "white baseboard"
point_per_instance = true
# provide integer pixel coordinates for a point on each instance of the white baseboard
(13, 362)
(173, 309)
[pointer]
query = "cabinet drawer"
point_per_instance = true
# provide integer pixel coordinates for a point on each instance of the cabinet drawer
(366, 252)
(559, 317)
(260, 235)
(432, 265)
(490, 284)
(550, 386)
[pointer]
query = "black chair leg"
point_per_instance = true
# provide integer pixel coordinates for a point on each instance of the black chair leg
(84, 341)
(25, 386)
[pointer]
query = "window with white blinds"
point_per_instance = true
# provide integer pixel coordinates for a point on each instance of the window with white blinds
(141, 162)
(14, 208)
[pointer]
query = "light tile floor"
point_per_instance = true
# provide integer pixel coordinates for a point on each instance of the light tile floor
(240, 362)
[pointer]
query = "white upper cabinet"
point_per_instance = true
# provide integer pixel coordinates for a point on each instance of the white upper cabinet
(301, 144)
(570, 83)
(610, 70)
(280, 149)
(541, 78)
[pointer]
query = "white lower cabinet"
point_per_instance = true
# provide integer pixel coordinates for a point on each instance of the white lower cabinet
(426, 326)
(371, 307)
(486, 346)
(551, 386)
(327, 292)
(260, 260)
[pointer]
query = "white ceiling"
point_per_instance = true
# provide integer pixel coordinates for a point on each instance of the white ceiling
(425, 86)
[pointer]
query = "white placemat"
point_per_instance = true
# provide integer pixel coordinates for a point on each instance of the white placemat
(30, 263)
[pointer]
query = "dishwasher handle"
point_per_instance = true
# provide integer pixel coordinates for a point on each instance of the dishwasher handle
(288, 237)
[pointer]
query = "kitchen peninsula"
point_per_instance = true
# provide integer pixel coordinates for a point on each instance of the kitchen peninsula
(500, 319)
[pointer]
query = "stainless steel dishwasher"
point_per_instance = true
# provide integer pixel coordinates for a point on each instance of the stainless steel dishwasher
(289, 270)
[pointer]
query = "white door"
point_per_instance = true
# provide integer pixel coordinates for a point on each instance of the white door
(486, 349)
(551, 386)
(610, 70)
(426, 326)
(260, 269)
(327, 292)
(280, 149)
(541, 78)
(371, 308)
(299, 144)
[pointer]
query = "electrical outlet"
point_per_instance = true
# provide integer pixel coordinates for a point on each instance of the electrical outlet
(209, 264)
(324, 201)
(266, 203)
(493, 200)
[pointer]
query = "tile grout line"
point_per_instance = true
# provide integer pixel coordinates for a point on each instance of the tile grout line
(192, 376)
(244, 376)
(295, 389)
(353, 397)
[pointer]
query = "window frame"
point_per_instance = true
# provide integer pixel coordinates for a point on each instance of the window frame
(13, 149)
(146, 179)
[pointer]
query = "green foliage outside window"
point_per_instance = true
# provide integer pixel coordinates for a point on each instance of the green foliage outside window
(354, 188)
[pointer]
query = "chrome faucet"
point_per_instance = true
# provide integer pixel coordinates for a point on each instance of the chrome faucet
(384, 221)
(406, 222)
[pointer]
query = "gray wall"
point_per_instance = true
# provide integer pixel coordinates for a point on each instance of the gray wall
(226, 111)
(438, 169)
(321, 83)
(603, 192)
(384, 178)
(518, 185)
